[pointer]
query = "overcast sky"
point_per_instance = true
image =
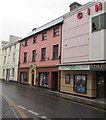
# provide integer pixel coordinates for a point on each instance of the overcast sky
(19, 17)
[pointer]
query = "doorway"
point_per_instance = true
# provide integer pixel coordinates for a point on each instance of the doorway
(100, 84)
(33, 76)
(55, 81)
(7, 74)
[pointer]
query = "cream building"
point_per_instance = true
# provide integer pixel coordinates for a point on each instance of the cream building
(10, 56)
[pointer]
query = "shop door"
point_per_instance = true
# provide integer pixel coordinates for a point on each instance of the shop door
(8, 75)
(32, 79)
(55, 80)
(100, 84)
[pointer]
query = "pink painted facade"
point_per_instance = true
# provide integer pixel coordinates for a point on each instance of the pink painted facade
(48, 44)
(77, 34)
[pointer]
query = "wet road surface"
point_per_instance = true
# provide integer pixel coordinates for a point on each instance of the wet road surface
(37, 105)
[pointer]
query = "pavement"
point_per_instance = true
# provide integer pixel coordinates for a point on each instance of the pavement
(97, 102)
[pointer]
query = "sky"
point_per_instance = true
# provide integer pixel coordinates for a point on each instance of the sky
(19, 17)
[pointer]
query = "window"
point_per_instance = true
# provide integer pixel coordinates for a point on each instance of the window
(80, 83)
(34, 55)
(26, 42)
(3, 72)
(12, 72)
(55, 51)
(10, 49)
(67, 79)
(4, 59)
(44, 36)
(24, 77)
(35, 39)
(56, 32)
(14, 46)
(25, 56)
(43, 54)
(13, 57)
(98, 22)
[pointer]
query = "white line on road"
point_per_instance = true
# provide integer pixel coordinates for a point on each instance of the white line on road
(33, 112)
(43, 117)
(21, 107)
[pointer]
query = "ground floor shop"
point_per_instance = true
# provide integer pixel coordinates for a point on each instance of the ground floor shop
(82, 80)
(47, 77)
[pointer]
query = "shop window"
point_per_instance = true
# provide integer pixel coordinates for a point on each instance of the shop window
(24, 77)
(44, 36)
(13, 72)
(44, 79)
(56, 32)
(25, 57)
(34, 55)
(98, 22)
(43, 57)
(55, 51)
(35, 39)
(3, 72)
(67, 79)
(80, 83)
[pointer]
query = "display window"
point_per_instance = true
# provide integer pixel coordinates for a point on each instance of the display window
(67, 79)
(80, 83)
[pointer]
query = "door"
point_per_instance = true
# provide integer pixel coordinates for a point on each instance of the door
(32, 79)
(100, 84)
(55, 80)
(7, 74)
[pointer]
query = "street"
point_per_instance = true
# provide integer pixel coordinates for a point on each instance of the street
(36, 105)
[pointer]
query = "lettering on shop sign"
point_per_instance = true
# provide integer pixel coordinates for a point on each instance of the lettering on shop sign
(97, 8)
(101, 67)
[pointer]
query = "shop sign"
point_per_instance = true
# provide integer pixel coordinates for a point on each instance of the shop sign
(75, 67)
(98, 67)
(97, 8)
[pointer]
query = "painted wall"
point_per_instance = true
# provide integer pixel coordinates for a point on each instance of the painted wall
(37, 46)
(69, 88)
(10, 63)
(78, 41)
(0, 62)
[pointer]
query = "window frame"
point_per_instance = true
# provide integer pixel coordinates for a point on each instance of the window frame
(43, 54)
(55, 32)
(25, 57)
(33, 56)
(44, 36)
(55, 51)
(26, 42)
(34, 40)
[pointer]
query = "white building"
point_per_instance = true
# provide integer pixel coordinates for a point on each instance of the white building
(10, 56)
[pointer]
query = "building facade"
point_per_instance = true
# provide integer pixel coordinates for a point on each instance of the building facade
(84, 50)
(10, 59)
(40, 54)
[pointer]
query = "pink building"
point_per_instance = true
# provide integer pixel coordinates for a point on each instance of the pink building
(40, 54)
(84, 50)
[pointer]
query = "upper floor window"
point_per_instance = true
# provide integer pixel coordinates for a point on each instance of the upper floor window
(56, 32)
(43, 57)
(98, 22)
(35, 39)
(26, 42)
(4, 59)
(10, 48)
(34, 55)
(15, 46)
(55, 51)
(13, 57)
(25, 56)
(44, 36)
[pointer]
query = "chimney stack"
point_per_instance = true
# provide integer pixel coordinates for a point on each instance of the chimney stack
(74, 5)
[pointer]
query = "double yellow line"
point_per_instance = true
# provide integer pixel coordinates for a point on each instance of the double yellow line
(16, 108)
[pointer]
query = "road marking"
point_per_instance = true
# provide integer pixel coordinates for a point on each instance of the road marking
(88, 106)
(33, 112)
(43, 117)
(21, 107)
(15, 106)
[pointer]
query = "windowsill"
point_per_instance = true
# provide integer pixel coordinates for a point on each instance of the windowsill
(42, 60)
(33, 61)
(55, 59)
(55, 35)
